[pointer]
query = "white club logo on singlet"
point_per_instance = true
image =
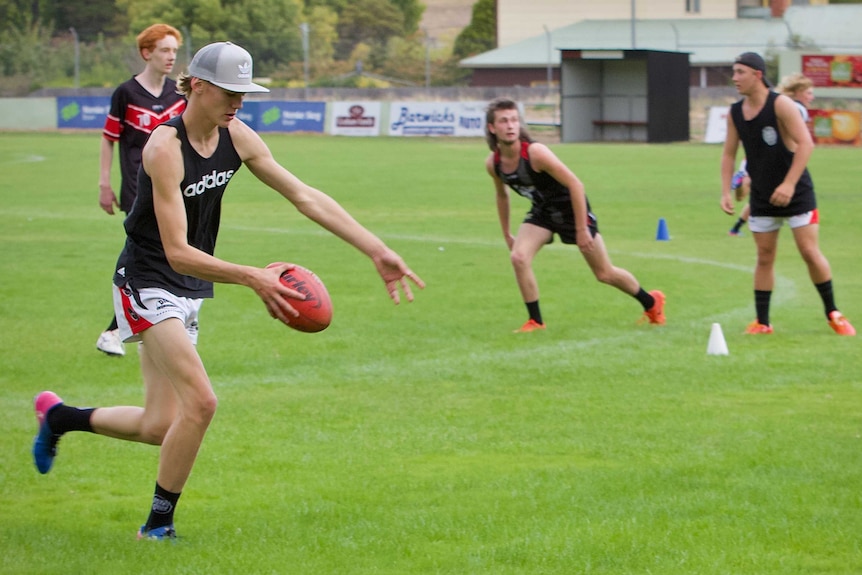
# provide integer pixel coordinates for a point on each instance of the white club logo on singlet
(770, 136)
(528, 192)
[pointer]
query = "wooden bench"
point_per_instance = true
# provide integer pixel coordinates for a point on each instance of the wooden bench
(630, 125)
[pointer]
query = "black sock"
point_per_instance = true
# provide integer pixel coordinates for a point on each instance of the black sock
(827, 296)
(738, 225)
(113, 325)
(646, 299)
(63, 418)
(761, 305)
(162, 511)
(533, 310)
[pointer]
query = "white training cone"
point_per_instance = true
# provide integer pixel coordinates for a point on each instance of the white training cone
(717, 345)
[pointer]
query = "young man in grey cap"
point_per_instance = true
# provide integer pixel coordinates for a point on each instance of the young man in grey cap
(777, 147)
(167, 267)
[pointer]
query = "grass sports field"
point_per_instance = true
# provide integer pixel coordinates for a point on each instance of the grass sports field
(427, 438)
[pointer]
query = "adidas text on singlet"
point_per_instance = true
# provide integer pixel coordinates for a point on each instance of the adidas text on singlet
(768, 161)
(142, 262)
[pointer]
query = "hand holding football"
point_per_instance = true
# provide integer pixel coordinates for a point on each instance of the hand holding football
(315, 311)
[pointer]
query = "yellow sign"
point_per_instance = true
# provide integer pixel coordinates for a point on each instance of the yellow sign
(837, 127)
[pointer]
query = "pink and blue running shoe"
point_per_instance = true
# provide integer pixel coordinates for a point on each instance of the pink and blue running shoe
(736, 180)
(45, 443)
(158, 533)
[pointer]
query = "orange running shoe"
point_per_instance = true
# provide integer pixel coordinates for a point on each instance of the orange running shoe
(757, 328)
(840, 324)
(655, 314)
(530, 325)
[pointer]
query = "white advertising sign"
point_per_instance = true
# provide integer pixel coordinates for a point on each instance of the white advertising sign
(355, 119)
(471, 119)
(437, 119)
(716, 125)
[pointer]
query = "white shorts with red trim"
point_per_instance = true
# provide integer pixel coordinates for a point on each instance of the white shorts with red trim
(759, 224)
(138, 310)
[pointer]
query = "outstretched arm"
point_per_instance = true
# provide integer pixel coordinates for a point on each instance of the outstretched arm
(325, 211)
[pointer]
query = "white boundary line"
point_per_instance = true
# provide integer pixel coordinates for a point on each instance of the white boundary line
(786, 288)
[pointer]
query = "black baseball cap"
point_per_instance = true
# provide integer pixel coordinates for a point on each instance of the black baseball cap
(754, 61)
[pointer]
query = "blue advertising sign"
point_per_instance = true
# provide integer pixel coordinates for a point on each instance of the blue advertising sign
(82, 111)
(284, 116)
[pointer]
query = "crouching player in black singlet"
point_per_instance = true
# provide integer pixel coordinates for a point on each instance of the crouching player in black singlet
(559, 206)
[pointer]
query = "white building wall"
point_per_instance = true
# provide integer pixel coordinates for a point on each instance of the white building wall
(521, 19)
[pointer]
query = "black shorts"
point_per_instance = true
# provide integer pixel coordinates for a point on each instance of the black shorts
(560, 219)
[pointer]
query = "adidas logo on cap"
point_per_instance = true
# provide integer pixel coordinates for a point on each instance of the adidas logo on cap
(225, 65)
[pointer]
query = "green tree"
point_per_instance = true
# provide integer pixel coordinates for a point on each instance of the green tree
(337, 5)
(481, 34)
(412, 11)
(204, 20)
(371, 22)
(23, 14)
(405, 60)
(322, 22)
(90, 19)
(269, 29)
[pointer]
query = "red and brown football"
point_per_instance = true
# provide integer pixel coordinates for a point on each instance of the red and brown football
(315, 311)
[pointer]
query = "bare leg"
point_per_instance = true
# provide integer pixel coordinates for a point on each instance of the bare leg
(764, 270)
(807, 243)
(179, 405)
(147, 424)
(600, 263)
(528, 242)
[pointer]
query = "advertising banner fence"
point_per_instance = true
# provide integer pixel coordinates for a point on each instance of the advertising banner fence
(355, 119)
(833, 70)
(836, 127)
(284, 116)
(82, 112)
(466, 119)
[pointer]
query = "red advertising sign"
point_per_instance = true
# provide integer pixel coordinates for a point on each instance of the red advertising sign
(834, 70)
(837, 127)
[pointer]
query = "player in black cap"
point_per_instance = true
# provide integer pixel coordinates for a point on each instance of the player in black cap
(777, 148)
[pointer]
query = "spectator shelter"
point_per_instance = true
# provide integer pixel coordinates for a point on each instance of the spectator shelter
(619, 95)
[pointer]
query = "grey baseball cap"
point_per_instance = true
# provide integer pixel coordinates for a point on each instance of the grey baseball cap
(225, 65)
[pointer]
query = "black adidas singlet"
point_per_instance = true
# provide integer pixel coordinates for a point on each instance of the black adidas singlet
(134, 114)
(142, 262)
(768, 161)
